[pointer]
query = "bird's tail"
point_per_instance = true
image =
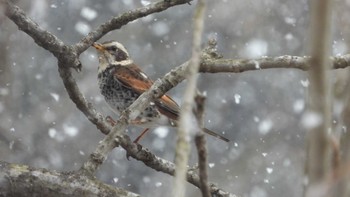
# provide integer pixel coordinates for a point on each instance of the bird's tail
(212, 133)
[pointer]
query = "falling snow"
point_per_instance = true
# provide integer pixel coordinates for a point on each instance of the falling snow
(257, 64)
(11, 144)
(305, 83)
(298, 105)
(289, 36)
(146, 179)
(145, 2)
(55, 96)
(71, 131)
(255, 48)
(269, 170)
(161, 132)
(237, 98)
(52, 132)
(290, 20)
(265, 126)
(88, 13)
(158, 184)
(82, 27)
(311, 120)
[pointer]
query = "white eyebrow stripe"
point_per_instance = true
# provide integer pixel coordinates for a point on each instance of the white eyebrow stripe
(118, 45)
(123, 62)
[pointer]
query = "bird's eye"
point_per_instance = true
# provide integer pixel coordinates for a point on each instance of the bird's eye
(113, 48)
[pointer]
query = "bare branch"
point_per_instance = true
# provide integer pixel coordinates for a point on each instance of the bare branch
(318, 160)
(149, 159)
(201, 146)
(214, 65)
(125, 18)
(22, 180)
(41, 37)
(183, 134)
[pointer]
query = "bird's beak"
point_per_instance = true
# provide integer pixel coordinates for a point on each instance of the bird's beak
(98, 46)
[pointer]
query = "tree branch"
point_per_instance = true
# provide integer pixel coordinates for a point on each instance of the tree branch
(125, 18)
(41, 37)
(183, 134)
(149, 159)
(201, 146)
(214, 65)
(318, 161)
(22, 180)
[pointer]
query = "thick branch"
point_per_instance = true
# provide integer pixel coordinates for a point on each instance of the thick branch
(41, 37)
(242, 65)
(22, 180)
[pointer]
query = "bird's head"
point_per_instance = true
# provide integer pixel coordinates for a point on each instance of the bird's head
(111, 53)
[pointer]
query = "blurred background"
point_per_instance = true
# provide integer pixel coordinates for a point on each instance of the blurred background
(260, 111)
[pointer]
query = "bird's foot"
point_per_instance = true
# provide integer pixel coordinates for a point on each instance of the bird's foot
(138, 147)
(111, 121)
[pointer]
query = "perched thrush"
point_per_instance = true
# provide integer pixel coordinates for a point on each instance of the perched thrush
(121, 82)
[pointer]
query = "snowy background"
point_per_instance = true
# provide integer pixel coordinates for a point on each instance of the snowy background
(260, 111)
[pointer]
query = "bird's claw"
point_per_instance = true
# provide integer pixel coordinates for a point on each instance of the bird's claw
(139, 148)
(111, 121)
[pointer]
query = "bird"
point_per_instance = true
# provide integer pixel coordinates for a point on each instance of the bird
(121, 82)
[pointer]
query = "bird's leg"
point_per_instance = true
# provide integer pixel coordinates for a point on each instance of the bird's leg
(141, 135)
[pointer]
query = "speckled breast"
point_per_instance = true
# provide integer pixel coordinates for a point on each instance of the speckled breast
(120, 97)
(116, 95)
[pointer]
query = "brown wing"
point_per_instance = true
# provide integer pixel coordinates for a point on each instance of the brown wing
(168, 107)
(132, 77)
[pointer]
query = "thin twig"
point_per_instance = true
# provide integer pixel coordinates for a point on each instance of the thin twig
(183, 136)
(318, 160)
(123, 19)
(200, 142)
